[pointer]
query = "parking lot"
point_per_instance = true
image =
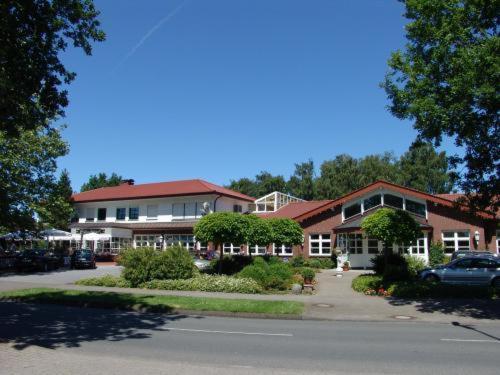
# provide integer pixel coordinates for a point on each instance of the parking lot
(61, 275)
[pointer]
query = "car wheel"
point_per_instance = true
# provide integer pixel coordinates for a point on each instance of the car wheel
(431, 278)
(496, 283)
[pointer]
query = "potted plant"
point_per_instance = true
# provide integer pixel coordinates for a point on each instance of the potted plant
(346, 266)
(308, 275)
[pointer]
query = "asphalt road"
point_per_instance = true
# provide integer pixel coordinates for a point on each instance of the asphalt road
(59, 340)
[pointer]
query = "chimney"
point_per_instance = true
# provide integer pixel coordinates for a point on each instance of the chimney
(127, 182)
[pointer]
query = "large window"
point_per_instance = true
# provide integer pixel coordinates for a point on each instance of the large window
(152, 212)
(237, 208)
(133, 213)
(120, 213)
(393, 200)
(101, 214)
(373, 201)
(412, 249)
(258, 250)
(149, 240)
(187, 211)
(283, 250)
(229, 248)
(320, 244)
(352, 210)
(186, 240)
(355, 243)
(89, 214)
(415, 207)
(373, 247)
(454, 241)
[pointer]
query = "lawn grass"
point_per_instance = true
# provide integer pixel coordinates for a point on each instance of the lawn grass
(152, 303)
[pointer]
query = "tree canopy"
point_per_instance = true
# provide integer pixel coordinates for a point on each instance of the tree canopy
(391, 226)
(101, 180)
(301, 183)
(285, 232)
(258, 231)
(56, 209)
(446, 81)
(32, 77)
(27, 167)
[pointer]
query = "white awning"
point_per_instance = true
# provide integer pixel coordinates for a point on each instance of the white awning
(96, 236)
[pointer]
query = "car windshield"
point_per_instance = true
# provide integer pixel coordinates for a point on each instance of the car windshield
(83, 254)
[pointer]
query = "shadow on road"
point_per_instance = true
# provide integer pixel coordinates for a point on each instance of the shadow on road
(52, 326)
(472, 328)
(472, 308)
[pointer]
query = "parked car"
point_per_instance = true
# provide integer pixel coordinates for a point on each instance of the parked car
(39, 260)
(201, 264)
(83, 258)
(463, 253)
(470, 270)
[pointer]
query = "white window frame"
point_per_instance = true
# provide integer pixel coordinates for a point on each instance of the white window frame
(148, 240)
(229, 248)
(186, 240)
(321, 243)
(281, 250)
(257, 249)
(455, 240)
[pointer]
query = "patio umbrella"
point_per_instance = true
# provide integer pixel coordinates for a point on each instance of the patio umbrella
(56, 235)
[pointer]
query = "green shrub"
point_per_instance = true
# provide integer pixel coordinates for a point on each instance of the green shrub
(308, 273)
(174, 263)
(312, 263)
(277, 276)
(395, 269)
(414, 265)
(327, 263)
(365, 283)
(145, 264)
(106, 280)
(208, 283)
(436, 254)
(231, 264)
(297, 261)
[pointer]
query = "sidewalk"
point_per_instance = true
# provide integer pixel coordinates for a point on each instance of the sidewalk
(334, 300)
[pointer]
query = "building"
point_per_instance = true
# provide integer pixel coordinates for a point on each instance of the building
(154, 215)
(337, 223)
(161, 214)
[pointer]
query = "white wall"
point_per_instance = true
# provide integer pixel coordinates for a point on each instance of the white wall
(166, 208)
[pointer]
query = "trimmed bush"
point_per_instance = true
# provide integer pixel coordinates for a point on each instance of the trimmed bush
(277, 276)
(106, 280)
(436, 254)
(313, 263)
(396, 268)
(208, 283)
(146, 264)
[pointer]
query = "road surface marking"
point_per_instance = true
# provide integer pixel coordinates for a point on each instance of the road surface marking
(471, 340)
(229, 332)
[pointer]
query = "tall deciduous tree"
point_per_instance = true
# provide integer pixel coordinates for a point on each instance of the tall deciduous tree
(27, 167)
(267, 183)
(446, 81)
(56, 210)
(338, 177)
(32, 77)
(422, 168)
(245, 186)
(301, 183)
(101, 180)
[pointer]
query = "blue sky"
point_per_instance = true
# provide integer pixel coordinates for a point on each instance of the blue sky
(224, 89)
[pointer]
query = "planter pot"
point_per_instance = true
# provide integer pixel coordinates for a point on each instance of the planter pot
(345, 268)
(307, 281)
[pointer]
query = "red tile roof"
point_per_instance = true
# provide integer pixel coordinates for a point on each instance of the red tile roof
(157, 190)
(451, 196)
(295, 209)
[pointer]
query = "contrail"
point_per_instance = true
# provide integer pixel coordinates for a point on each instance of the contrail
(151, 32)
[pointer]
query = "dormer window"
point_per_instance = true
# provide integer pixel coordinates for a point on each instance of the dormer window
(415, 207)
(393, 201)
(373, 201)
(352, 210)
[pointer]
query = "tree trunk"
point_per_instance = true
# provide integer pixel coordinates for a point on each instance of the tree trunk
(221, 257)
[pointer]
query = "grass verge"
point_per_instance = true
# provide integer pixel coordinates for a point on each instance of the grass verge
(374, 285)
(152, 303)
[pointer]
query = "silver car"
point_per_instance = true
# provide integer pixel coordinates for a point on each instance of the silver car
(466, 271)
